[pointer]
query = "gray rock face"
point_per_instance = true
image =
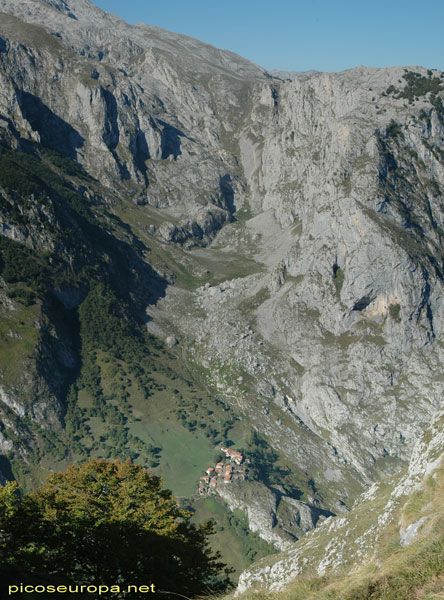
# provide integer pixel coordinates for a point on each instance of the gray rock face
(411, 532)
(126, 102)
(312, 200)
(277, 518)
(351, 541)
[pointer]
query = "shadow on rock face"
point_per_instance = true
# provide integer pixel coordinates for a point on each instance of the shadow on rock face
(227, 193)
(5, 470)
(170, 140)
(55, 133)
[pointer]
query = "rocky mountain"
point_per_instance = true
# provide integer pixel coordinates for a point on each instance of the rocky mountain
(402, 514)
(196, 250)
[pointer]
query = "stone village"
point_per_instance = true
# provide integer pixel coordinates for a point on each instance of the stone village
(235, 466)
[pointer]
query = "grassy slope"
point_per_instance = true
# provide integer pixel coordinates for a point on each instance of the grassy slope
(238, 545)
(18, 338)
(140, 400)
(130, 396)
(392, 571)
(415, 572)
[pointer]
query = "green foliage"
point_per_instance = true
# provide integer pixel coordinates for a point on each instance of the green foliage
(29, 180)
(417, 85)
(267, 466)
(66, 165)
(107, 521)
(19, 264)
(26, 297)
(42, 193)
(394, 130)
(106, 324)
(16, 179)
(85, 256)
(338, 278)
(254, 547)
(9, 501)
(394, 312)
(240, 546)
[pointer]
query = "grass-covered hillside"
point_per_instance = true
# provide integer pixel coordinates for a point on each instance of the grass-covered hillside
(390, 546)
(81, 376)
(398, 572)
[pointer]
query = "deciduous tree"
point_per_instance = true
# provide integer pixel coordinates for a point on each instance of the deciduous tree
(110, 522)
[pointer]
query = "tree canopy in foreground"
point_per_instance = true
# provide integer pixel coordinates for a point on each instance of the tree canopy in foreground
(105, 523)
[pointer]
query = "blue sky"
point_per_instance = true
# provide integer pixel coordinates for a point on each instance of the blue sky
(298, 36)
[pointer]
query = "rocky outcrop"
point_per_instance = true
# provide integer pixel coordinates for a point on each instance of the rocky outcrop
(117, 99)
(277, 518)
(353, 540)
